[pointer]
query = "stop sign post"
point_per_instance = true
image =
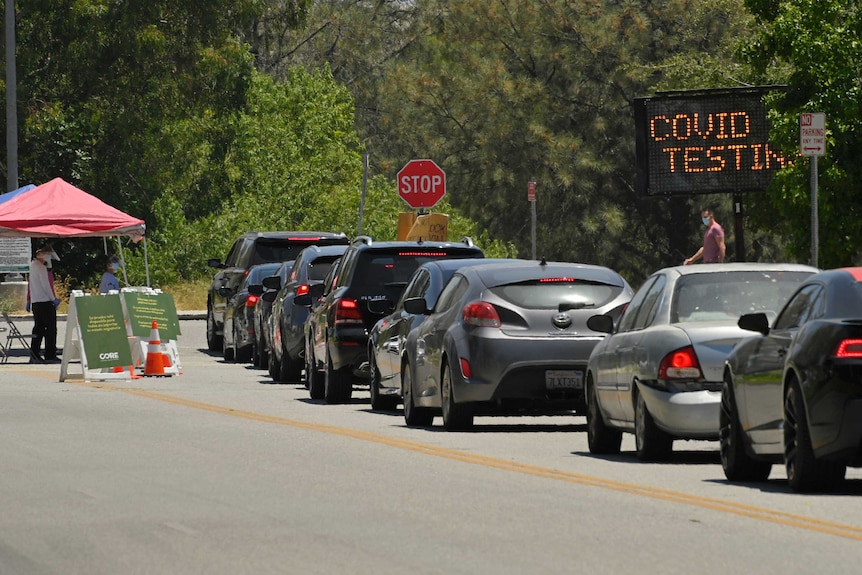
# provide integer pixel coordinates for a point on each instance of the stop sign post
(421, 183)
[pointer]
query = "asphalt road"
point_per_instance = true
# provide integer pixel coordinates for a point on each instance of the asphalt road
(218, 470)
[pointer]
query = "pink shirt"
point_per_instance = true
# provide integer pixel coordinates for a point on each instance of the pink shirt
(711, 253)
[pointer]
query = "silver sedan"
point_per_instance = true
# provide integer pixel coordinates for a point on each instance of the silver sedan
(659, 372)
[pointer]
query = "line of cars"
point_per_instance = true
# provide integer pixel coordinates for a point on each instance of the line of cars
(446, 333)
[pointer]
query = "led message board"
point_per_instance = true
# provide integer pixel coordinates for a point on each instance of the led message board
(704, 142)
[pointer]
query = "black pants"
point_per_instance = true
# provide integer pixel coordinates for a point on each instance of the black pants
(44, 325)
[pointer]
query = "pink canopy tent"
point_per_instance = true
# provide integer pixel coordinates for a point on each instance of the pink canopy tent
(59, 209)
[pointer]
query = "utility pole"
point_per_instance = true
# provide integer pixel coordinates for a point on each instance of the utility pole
(11, 101)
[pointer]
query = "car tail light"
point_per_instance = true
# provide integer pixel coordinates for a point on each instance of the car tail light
(680, 364)
(557, 280)
(306, 239)
(347, 312)
(302, 289)
(465, 369)
(849, 348)
(480, 314)
(251, 301)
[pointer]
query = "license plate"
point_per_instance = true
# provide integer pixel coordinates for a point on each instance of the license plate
(564, 379)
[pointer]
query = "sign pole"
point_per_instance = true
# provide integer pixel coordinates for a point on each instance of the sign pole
(531, 197)
(812, 143)
(815, 239)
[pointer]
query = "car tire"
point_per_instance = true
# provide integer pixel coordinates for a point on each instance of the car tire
(214, 341)
(413, 416)
(274, 367)
(737, 464)
(456, 416)
(651, 443)
(316, 383)
(227, 350)
(338, 384)
(379, 402)
(601, 438)
(260, 357)
(290, 369)
(805, 472)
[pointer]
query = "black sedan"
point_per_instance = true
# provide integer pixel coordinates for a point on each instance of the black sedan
(239, 314)
(792, 393)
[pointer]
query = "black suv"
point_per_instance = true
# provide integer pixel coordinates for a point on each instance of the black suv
(370, 279)
(250, 249)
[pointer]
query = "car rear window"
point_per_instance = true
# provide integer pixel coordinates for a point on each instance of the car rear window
(570, 293)
(723, 295)
(392, 269)
(318, 269)
(282, 250)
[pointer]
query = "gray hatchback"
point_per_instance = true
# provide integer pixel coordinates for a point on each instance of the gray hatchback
(506, 338)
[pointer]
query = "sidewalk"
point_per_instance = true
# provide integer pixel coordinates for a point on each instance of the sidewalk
(18, 355)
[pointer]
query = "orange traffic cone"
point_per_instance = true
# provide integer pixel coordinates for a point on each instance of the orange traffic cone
(155, 365)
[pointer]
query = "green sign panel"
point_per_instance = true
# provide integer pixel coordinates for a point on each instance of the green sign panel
(103, 331)
(144, 308)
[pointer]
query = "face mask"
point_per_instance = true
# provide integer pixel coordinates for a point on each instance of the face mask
(48, 261)
(115, 268)
(705, 221)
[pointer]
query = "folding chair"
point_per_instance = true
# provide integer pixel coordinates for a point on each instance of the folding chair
(15, 334)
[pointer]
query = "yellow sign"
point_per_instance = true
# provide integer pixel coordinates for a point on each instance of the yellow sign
(429, 227)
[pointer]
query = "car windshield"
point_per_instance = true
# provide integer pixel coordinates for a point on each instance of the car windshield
(561, 293)
(728, 295)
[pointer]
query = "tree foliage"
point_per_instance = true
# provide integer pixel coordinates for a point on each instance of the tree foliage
(815, 47)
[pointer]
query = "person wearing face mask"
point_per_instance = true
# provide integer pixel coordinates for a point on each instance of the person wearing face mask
(713, 248)
(109, 278)
(43, 302)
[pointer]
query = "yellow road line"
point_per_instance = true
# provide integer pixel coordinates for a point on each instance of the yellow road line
(754, 512)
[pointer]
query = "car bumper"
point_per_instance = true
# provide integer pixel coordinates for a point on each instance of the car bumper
(348, 349)
(684, 414)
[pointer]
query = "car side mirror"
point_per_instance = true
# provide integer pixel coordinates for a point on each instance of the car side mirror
(224, 291)
(754, 322)
(215, 263)
(303, 300)
(269, 296)
(601, 323)
(416, 306)
(272, 282)
(255, 289)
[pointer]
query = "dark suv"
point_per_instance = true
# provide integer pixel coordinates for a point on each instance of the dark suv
(250, 249)
(370, 279)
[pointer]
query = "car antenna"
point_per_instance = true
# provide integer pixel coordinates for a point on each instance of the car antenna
(543, 262)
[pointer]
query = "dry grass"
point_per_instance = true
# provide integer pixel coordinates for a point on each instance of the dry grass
(189, 296)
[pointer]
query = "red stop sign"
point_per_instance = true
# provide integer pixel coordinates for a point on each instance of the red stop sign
(421, 183)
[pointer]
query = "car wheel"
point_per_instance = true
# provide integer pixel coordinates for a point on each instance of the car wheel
(241, 354)
(651, 443)
(737, 464)
(273, 367)
(338, 384)
(290, 369)
(379, 402)
(316, 384)
(260, 357)
(456, 416)
(227, 350)
(804, 471)
(413, 416)
(601, 438)
(214, 341)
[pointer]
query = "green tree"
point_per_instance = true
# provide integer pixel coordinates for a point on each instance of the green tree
(814, 47)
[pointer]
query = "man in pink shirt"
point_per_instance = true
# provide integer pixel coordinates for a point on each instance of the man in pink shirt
(713, 247)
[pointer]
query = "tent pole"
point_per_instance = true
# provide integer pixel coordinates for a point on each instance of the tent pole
(146, 261)
(122, 259)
